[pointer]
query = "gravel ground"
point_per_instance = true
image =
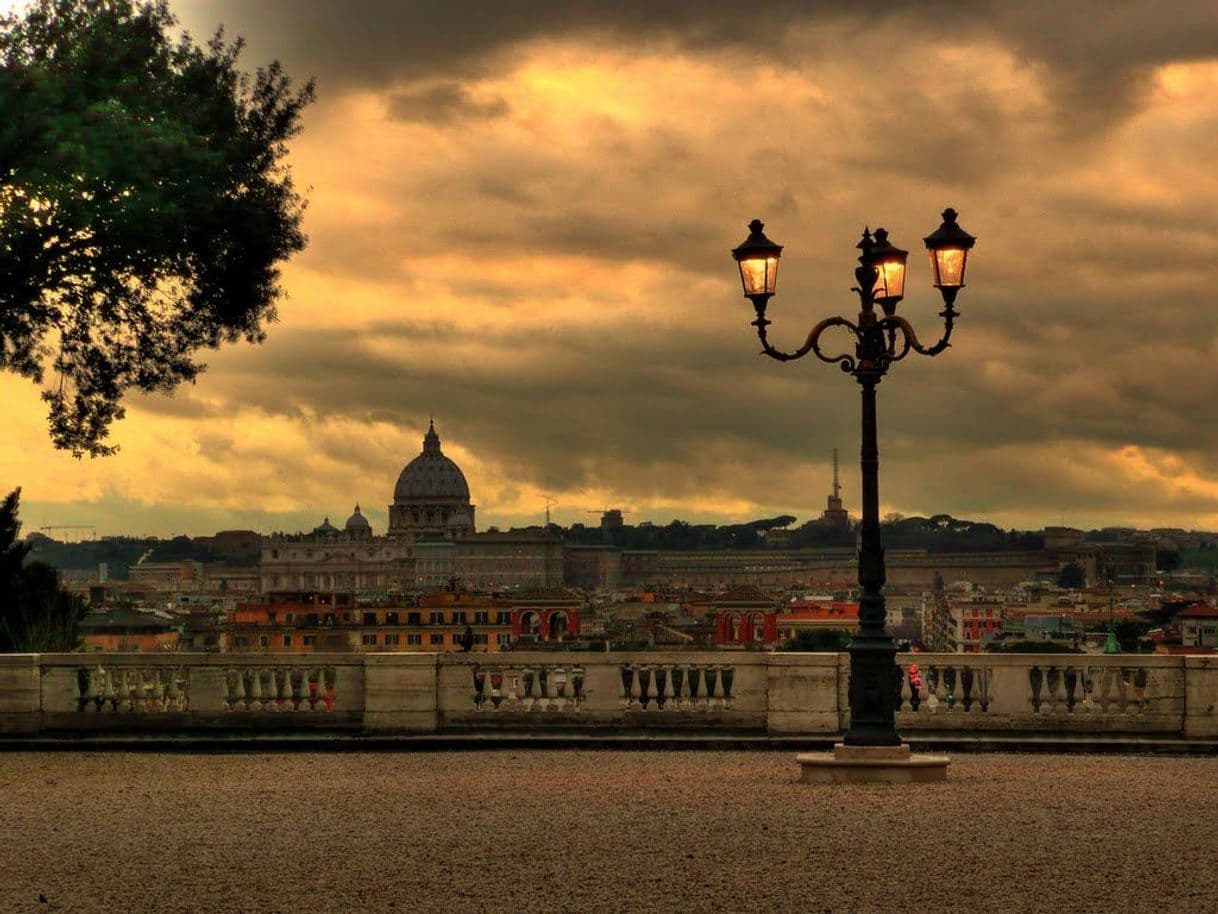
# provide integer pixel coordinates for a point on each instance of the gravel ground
(600, 831)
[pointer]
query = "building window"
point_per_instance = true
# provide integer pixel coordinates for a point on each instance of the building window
(503, 638)
(264, 640)
(503, 618)
(437, 617)
(240, 642)
(415, 639)
(370, 618)
(391, 618)
(481, 639)
(459, 617)
(414, 618)
(310, 640)
(291, 617)
(437, 639)
(393, 638)
(481, 617)
(368, 639)
(287, 640)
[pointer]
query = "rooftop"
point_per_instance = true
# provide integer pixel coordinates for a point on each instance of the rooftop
(560, 830)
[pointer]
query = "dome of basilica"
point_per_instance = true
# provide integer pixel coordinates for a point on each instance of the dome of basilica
(431, 477)
(357, 523)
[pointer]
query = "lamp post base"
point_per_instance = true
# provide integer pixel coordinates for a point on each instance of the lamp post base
(871, 765)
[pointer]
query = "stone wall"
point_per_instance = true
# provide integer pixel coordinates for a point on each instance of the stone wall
(544, 691)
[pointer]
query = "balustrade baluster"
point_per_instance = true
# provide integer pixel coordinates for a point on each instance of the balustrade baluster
(941, 688)
(966, 688)
(97, 687)
(710, 674)
(299, 681)
(904, 690)
(644, 674)
(983, 686)
(695, 684)
(560, 687)
(543, 685)
(949, 679)
(1106, 680)
(1086, 685)
(1053, 689)
(727, 674)
(661, 686)
(627, 673)
(1035, 680)
(577, 685)
(678, 678)
(255, 692)
(1071, 680)
(119, 679)
(84, 686)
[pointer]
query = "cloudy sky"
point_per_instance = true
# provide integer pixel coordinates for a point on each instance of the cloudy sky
(520, 217)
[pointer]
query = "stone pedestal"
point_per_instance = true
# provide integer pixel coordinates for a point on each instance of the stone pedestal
(871, 765)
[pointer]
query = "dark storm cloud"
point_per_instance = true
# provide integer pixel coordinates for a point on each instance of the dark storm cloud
(444, 104)
(680, 413)
(1099, 52)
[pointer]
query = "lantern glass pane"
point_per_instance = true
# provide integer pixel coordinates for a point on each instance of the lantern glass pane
(890, 284)
(948, 265)
(759, 275)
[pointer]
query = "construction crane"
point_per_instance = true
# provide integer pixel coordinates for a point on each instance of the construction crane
(90, 527)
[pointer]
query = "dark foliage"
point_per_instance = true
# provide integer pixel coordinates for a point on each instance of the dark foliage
(1130, 633)
(35, 615)
(144, 204)
(817, 640)
(944, 533)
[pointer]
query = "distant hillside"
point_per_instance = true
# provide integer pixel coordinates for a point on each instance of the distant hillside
(940, 533)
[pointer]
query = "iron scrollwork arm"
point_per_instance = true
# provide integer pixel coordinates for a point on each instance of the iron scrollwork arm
(911, 341)
(812, 344)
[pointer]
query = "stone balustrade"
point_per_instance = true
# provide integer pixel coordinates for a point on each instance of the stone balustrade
(705, 691)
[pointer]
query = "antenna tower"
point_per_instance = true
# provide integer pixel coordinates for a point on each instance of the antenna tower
(549, 501)
(837, 489)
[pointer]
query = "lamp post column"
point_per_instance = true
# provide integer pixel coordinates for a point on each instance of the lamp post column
(873, 670)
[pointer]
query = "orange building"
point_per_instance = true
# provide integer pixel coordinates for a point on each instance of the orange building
(123, 629)
(293, 622)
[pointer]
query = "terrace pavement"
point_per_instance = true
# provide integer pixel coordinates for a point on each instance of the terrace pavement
(567, 830)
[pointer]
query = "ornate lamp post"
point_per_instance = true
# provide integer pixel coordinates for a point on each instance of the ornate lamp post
(881, 338)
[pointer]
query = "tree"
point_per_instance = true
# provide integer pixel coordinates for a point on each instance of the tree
(35, 614)
(1167, 560)
(144, 204)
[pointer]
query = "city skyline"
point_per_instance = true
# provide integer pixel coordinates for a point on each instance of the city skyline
(520, 222)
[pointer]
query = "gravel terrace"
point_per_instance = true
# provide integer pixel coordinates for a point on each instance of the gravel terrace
(582, 831)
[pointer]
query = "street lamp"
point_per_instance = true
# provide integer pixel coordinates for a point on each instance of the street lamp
(880, 340)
